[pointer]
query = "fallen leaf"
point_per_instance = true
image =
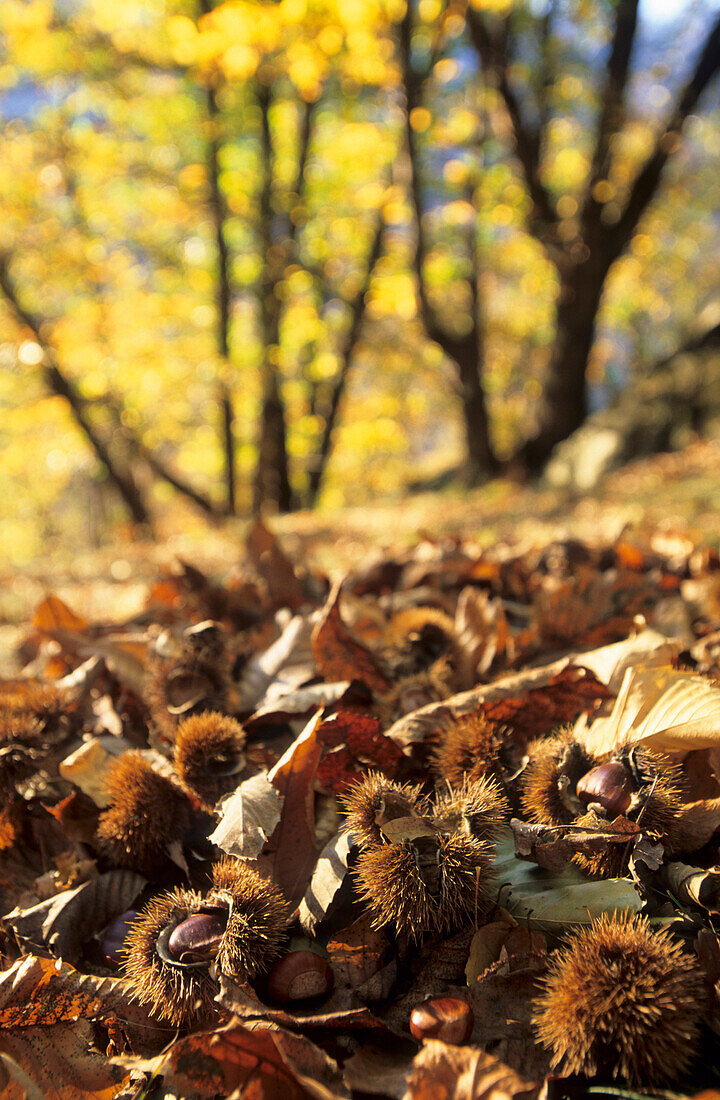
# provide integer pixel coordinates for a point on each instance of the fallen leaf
(285, 665)
(43, 992)
(339, 654)
(52, 615)
(263, 1063)
(378, 1071)
(663, 709)
(358, 952)
(442, 1072)
(486, 946)
(693, 885)
(330, 873)
(67, 921)
(58, 1062)
(274, 567)
(352, 743)
(248, 818)
(291, 853)
(552, 847)
(555, 900)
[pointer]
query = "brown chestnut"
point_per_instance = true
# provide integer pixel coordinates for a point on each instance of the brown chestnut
(299, 976)
(197, 937)
(445, 1018)
(610, 785)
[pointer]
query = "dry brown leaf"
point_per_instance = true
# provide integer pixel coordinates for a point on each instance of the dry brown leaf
(358, 952)
(379, 1071)
(486, 947)
(442, 1072)
(663, 709)
(274, 567)
(291, 853)
(67, 921)
(281, 668)
(52, 614)
(263, 1063)
(696, 823)
(248, 818)
(482, 628)
(58, 1062)
(339, 654)
(330, 873)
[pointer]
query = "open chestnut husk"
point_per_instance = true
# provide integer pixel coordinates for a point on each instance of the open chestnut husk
(424, 866)
(183, 939)
(565, 784)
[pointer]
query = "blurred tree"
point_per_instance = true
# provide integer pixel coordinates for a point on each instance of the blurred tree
(464, 348)
(585, 227)
(229, 230)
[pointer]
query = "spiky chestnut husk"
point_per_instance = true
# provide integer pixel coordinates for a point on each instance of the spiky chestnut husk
(29, 721)
(549, 796)
(477, 807)
(42, 701)
(375, 797)
(424, 867)
(196, 680)
(259, 916)
(621, 1000)
(413, 692)
(547, 785)
(426, 885)
(209, 755)
(255, 932)
(22, 740)
(469, 748)
(418, 637)
(182, 997)
(146, 813)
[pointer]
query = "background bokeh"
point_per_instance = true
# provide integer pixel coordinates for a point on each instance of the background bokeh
(213, 294)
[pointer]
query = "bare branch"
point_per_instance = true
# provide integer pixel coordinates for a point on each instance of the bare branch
(647, 180)
(358, 316)
(59, 384)
(493, 54)
(612, 114)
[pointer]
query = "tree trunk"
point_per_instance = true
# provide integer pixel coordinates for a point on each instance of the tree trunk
(271, 485)
(480, 462)
(563, 407)
(272, 482)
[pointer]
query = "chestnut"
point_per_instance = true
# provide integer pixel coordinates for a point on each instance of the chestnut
(445, 1018)
(197, 937)
(300, 976)
(610, 785)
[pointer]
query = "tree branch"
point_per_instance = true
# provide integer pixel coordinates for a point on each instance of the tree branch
(358, 315)
(612, 115)
(647, 180)
(58, 384)
(413, 84)
(493, 57)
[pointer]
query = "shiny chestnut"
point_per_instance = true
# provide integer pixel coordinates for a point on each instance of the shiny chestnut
(610, 785)
(192, 941)
(300, 976)
(198, 937)
(445, 1018)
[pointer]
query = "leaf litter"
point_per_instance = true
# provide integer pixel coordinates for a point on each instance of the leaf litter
(453, 760)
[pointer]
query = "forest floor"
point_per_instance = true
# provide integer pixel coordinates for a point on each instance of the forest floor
(664, 502)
